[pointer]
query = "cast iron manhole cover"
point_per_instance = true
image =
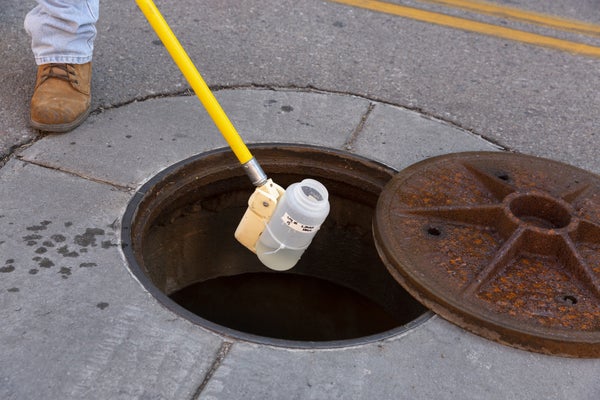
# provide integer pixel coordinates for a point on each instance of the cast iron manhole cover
(506, 246)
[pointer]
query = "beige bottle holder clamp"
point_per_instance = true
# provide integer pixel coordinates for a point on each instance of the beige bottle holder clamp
(261, 206)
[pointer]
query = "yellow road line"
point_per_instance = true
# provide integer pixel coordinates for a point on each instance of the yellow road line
(486, 8)
(474, 26)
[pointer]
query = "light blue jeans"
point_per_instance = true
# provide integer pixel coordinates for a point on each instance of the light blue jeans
(62, 31)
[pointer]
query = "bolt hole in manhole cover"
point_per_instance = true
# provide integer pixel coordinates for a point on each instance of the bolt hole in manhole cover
(504, 245)
(178, 240)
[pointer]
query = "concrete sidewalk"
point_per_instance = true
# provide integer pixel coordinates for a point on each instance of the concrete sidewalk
(77, 325)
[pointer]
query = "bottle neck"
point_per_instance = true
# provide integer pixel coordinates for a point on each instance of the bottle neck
(311, 195)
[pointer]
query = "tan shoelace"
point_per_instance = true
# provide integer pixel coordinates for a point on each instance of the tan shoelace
(50, 71)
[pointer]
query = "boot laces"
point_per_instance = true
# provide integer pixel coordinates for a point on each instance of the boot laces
(66, 72)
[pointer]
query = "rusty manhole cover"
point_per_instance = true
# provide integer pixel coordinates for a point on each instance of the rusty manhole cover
(506, 246)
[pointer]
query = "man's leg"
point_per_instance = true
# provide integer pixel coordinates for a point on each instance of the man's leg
(62, 40)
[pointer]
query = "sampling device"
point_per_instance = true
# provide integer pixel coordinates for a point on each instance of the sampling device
(278, 224)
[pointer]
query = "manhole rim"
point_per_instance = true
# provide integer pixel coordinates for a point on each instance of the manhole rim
(145, 281)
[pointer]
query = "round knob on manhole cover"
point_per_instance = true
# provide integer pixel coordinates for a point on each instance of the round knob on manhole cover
(504, 245)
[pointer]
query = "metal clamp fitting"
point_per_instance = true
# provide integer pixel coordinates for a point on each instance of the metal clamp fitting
(255, 172)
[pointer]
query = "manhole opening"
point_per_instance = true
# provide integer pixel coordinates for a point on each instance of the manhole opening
(178, 238)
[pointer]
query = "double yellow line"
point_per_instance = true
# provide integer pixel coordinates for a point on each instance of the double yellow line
(490, 29)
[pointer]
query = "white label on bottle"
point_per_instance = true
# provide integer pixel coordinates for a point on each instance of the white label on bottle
(298, 226)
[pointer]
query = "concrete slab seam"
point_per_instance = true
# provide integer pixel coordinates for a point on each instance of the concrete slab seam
(77, 175)
(221, 355)
(359, 128)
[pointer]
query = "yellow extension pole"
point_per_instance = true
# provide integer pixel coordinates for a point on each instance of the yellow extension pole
(194, 78)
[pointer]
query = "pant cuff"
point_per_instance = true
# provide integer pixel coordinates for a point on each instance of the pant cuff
(62, 60)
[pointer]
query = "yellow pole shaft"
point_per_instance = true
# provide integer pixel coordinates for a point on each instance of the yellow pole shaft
(195, 80)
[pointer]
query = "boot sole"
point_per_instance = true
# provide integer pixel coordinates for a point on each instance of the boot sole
(60, 128)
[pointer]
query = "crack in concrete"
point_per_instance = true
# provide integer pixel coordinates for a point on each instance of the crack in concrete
(180, 93)
(307, 89)
(13, 150)
(221, 354)
(372, 99)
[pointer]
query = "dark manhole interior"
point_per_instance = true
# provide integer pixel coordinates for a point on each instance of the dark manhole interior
(178, 239)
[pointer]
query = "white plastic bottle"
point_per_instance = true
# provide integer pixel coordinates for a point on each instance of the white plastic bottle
(297, 218)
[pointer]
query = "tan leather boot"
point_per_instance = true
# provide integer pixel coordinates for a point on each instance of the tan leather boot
(62, 96)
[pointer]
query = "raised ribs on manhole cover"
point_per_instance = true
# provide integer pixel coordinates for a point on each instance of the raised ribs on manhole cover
(504, 245)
